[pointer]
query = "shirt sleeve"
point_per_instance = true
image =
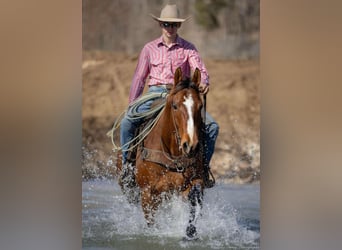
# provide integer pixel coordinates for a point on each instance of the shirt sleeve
(141, 72)
(195, 61)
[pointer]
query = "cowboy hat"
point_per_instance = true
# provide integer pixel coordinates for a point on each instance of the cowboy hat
(169, 13)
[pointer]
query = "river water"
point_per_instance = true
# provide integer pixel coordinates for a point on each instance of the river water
(230, 220)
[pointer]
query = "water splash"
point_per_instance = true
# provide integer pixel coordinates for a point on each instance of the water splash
(108, 217)
(95, 165)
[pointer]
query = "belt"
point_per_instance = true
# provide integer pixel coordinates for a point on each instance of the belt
(167, 86)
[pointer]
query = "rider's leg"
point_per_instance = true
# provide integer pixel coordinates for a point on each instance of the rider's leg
(127, 131)
(211, 133)
(129, 124)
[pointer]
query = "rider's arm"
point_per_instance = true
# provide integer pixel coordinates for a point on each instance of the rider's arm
(141, 72)
(195, 61)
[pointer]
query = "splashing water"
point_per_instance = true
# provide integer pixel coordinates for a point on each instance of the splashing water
(229, 219)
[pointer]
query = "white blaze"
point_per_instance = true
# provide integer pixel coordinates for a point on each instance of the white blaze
(188, 102)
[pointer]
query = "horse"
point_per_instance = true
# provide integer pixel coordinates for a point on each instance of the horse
(170, 158)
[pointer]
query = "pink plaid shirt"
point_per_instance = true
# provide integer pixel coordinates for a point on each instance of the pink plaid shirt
(158, 63)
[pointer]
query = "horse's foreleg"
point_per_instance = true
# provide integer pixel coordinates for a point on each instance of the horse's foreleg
(149, 204)
(195, 197)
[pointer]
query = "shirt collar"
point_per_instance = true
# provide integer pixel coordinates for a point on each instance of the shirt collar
(160, 41)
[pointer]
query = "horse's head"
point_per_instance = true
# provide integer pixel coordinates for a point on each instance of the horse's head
(186, 105)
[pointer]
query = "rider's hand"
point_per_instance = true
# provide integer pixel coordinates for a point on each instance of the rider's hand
(203, 88)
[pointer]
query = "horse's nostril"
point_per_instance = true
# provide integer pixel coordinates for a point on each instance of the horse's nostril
(186, 147)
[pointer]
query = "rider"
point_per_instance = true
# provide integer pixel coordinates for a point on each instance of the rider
(157, 62)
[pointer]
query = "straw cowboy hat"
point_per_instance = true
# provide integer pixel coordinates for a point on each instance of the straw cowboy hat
(169, 13)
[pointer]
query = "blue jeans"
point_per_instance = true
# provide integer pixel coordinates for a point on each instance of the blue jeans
(129, 126)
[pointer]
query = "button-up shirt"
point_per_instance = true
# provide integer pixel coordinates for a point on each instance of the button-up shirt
(158, 63)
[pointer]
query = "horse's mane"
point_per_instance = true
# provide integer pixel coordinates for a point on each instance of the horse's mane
(185, 84)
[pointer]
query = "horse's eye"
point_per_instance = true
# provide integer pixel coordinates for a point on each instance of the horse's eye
(174, 106)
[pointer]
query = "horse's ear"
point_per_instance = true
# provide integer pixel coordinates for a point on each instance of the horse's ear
(197, 77)
(178, 76)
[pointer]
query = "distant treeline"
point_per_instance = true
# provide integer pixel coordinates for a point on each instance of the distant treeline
(218, 28)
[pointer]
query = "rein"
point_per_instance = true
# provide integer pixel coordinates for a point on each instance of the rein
(178, 139)
(205, 108)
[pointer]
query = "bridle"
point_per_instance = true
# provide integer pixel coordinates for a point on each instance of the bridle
(164, 158)
(178, 139)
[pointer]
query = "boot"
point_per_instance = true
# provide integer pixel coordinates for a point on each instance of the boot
(208, 183)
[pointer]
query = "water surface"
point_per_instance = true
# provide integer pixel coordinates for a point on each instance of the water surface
(230, 220)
